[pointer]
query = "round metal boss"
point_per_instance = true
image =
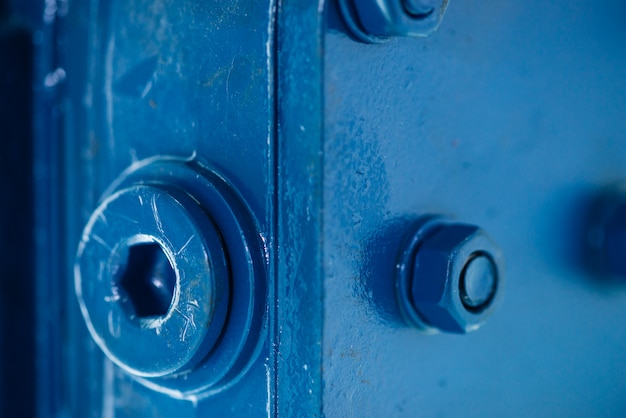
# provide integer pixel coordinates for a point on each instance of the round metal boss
(134, 241)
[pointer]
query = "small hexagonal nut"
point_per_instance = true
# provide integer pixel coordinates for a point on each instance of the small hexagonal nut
(395, 18)
(439, 268)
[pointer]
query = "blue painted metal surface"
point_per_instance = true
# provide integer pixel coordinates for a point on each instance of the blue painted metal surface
(144, 79)
(509, 117)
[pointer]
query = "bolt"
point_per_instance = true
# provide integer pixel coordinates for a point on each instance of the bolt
(170, 277)
(419, 9)
(151, 273)
(375, 20)
(450, 276)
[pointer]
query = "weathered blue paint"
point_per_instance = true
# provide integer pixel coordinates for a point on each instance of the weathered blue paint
(509, 117)
(193, 81)
(300, 269)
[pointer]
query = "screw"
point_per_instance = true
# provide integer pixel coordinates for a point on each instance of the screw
(450, 276)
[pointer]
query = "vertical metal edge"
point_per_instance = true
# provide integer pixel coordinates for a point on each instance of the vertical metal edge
(47, 199)
(299, 288)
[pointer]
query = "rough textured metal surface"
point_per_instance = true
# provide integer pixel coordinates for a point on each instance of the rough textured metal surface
(179, 78)
(507, 118)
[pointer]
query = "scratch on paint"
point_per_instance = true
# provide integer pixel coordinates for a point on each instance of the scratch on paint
(103, 218)
(101, 242)
(190, 323)
(114, 328)
(115, 295)
(101, 268)
(128, 218)
(230, 70)
(155, 212)
(185, 245)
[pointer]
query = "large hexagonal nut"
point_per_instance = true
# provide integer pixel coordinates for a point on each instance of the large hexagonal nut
(457, 278)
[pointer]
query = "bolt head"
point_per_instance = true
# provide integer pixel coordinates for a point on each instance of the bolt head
(457, 278)
(415, 18)
(420, 9)
(180, 334)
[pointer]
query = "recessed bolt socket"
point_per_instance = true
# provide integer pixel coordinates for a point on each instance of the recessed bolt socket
(450, 276)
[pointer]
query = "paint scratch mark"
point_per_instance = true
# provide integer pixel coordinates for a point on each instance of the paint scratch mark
(101, 242)
(114, 326)
(185, 245)
(190, 324)
(230, 71)
(102, 217)
(127, 218)
(155, 212)
(115, 295)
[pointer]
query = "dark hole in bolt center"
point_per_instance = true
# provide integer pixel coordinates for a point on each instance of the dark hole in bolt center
(148, 280)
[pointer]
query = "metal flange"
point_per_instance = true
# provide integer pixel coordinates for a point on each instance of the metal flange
(175, 233)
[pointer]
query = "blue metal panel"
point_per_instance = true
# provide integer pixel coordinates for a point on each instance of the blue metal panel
(508, 117)
(299, 292)
(305, 159)
(143, 79)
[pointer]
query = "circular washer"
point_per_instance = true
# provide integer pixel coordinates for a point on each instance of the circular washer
(240, 339)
